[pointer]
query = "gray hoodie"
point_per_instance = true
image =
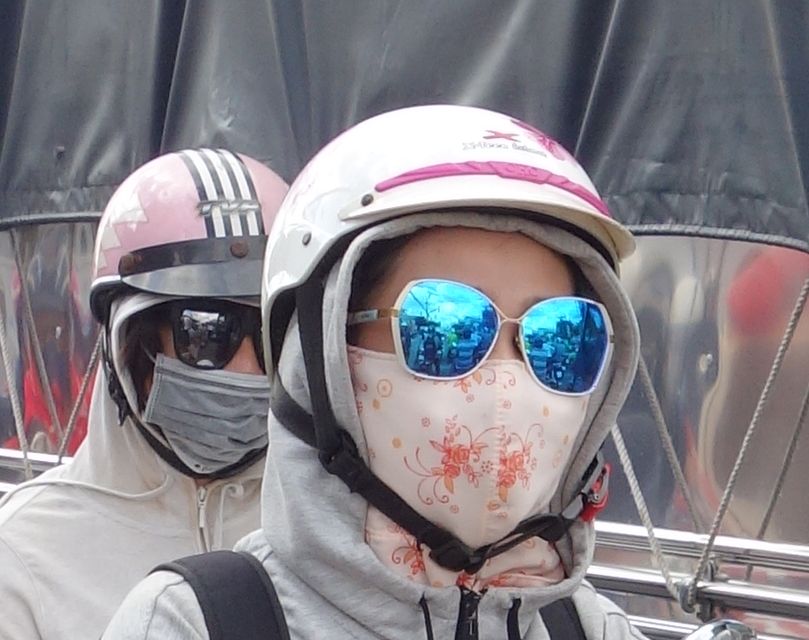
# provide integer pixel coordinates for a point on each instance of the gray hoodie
(329, 581)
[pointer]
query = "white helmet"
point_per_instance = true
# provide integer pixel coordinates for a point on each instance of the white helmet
(418, 159)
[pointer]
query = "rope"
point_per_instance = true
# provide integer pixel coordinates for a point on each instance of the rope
(785, 465)
(39, 361)
(85, 382)
(16, 409)
(665, 438)
(643, 512)
(691, 592)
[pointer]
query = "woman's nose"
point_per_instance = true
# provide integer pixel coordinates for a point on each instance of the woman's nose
(245, 359)
(506, 347)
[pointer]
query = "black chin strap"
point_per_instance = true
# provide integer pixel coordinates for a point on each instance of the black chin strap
(114, 387)
(339, 456)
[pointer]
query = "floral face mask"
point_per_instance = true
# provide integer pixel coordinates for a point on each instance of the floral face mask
(475, 456)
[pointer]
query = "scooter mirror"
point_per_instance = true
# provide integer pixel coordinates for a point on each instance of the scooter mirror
(723, 630)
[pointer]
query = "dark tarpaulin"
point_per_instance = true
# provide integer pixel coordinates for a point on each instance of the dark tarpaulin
(691, 116)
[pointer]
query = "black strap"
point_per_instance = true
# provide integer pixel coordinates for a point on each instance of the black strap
(235, 594)
(562, 620)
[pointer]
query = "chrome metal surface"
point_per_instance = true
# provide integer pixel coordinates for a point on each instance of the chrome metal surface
(733, 595)
(55, 269)
(723, 630)
(12, 459)
(712, 314)
(11, 466)
(793, 557)
(662, 630)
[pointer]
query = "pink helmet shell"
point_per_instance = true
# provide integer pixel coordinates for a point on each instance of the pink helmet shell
(192, 223)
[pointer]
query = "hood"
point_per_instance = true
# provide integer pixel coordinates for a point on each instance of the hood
(116, 460)
(316, 526)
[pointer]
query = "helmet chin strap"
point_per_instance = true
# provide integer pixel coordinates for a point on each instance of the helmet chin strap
(114, 386)
(339, 455)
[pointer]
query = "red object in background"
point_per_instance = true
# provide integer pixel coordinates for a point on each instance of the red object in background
(759, 295)
(36, 418)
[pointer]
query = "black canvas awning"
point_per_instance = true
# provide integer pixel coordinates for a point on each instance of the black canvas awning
(691, 116)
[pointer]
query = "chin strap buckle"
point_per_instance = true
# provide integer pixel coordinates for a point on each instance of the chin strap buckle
(595, 498)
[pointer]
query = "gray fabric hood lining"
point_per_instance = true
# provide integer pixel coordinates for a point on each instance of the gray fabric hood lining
(615, 385)
(316, 529)
(576, 549)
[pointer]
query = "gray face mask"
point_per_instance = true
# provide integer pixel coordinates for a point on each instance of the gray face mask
(211, 419)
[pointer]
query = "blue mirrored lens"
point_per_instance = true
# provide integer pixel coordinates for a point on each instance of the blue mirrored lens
(446, 328)
(565, 342)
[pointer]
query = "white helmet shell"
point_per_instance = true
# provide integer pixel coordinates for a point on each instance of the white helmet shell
(428, 158)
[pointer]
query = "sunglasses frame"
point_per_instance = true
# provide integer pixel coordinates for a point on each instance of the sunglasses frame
(394, 313)
(253, 329)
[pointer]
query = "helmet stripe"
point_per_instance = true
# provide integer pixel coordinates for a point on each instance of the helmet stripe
(214, 190)
(507, 170)
(209, 194)
(226, 191)
(235, 218)
(201, 193)
(218, 189)
(239, 191)
(244, 180)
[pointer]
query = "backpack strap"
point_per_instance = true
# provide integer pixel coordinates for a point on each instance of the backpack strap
(562, 620)
(235, 594)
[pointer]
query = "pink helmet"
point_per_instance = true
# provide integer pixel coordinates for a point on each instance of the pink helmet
(192, 223)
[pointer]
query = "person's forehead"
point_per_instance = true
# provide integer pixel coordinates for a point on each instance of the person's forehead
(508, 267)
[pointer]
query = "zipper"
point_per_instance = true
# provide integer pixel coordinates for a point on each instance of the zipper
(202, 504)
(467, 628)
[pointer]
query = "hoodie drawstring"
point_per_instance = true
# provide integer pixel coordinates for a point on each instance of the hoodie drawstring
(235, 491)
(63, 482)
(513, 621)
(428, 625)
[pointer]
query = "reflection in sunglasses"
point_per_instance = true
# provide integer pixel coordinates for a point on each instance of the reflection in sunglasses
(209, 334)
(446, 329)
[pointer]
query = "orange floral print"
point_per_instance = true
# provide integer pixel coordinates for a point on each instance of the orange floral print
(409, 554)
(474, 455)
(515, 464)
(460, 454)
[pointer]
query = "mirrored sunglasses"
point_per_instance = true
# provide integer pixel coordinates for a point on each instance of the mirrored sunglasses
(445, 330)
(208, 333)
